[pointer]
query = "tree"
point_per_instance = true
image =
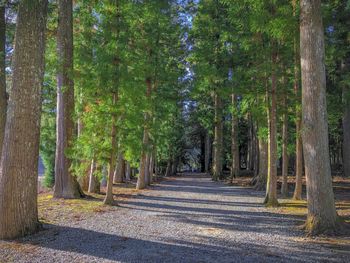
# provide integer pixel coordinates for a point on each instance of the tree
(3, 95)
(285, 157)
(18, 183)
(66, 185)
(298, 142)
(210, 61)
(235, 165)
(271, 188)
(109, 200)
(322, 216)
(49, 98)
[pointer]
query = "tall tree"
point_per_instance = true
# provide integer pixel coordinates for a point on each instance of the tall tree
(235, 165)
(322, 216)
(211, 67)
(109, 200)
(19, 163)
(285, 157)
(271, 188)
(66, 185)
(3, 97)
(298, 142)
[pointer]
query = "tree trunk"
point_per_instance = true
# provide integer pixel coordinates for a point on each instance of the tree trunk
(250, 154)
(168, 168)
(271, 188)
(19, 161)
(322, 216)
(147, 166)
(3, 96)
(218, 139)
(141, 180)
(176, 165)
(346, 121)
(83, 181)
(66, 185)
(260, 183)
(298, 163)
(234, 140)
(207, 152)
(151, 167)
(119, 172)
(255, 150)
(298, 144)
(94, 184)
(284, 188)
(109, 200)
(127, 172)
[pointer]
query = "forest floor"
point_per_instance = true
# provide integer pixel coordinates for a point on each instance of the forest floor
(182, 219)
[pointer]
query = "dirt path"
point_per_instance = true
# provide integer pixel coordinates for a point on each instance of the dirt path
(185, 219)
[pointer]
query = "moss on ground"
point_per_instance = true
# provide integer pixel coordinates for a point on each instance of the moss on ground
(53, 210)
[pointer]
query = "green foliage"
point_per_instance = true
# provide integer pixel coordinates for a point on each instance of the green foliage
(187, 51)
(121, 46)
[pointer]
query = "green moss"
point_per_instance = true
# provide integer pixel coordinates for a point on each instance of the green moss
(271, 202)
(53, 210)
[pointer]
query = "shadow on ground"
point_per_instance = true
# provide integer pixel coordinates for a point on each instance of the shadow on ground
(119, 248)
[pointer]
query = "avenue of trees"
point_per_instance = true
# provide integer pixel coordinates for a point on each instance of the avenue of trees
(106, 91)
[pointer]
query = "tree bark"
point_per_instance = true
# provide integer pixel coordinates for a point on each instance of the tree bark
(322, 216)
(234, 140)
(19, 161)
(345, 66)
(250, 154)
(147, 167)
(207, 152)
(260, 183)
(218, 139)
(66, 185)
(127, 172)
(109, 200)
(298, 163)
(255, 150)
(285, 157)
(3, 95)
(141, 180)
(94, 184)
(151, 167)
(168, 168)
(119, 172)
(271, 188)
(298, 143)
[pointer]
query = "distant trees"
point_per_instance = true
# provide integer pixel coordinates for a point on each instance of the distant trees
(145, 82)
(211, 63)
(19, 161)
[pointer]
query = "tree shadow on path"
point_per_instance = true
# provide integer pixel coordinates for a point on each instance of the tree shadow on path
(124, 249)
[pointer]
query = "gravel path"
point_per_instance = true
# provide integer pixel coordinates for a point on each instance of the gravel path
(187, 219)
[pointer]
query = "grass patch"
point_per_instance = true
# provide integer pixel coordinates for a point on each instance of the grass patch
(54, 210)
(294, 207)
